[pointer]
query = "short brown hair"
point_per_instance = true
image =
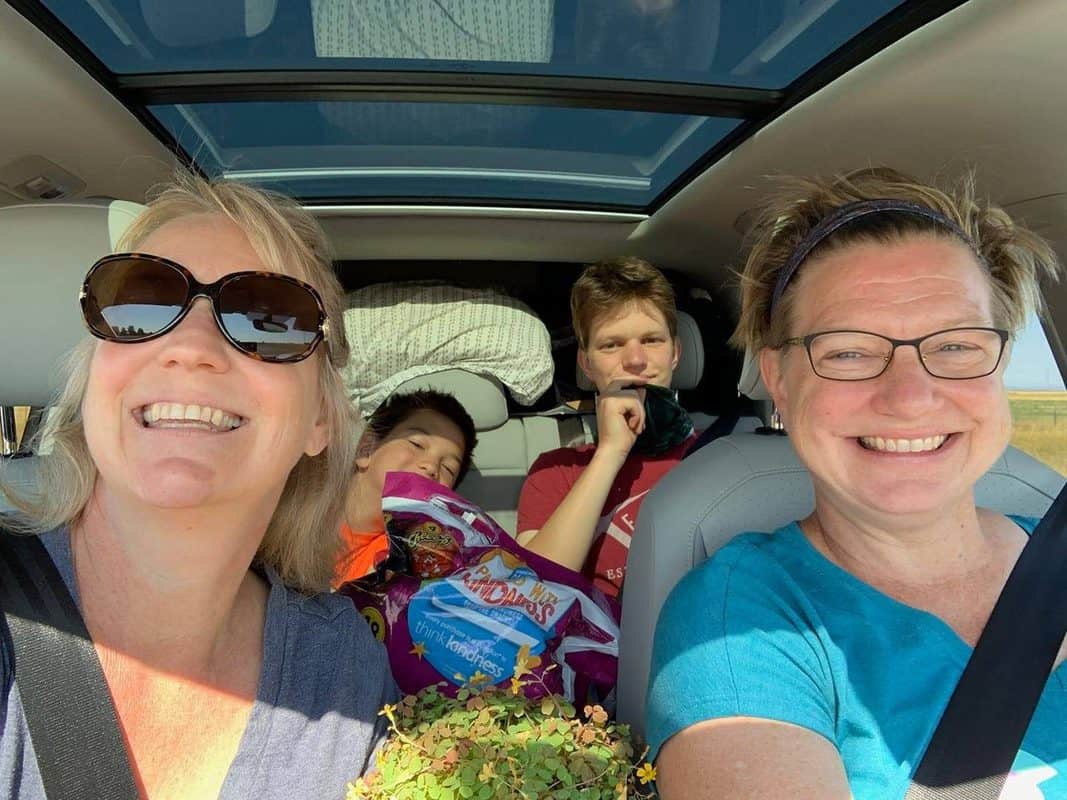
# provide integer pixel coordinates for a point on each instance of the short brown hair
(401, 406)
(1017, 259)
(609, 285)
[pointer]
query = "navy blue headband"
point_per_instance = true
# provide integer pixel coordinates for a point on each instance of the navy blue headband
(850, 213)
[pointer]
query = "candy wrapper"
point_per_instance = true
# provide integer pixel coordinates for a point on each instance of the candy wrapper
(459, 601)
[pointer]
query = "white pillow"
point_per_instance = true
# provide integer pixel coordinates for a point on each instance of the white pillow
(398, 331)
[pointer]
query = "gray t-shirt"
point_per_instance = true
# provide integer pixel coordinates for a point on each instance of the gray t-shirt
(314, 725)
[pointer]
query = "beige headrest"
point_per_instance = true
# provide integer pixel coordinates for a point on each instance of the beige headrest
(47, 249)
(751, 383)
(482, 395)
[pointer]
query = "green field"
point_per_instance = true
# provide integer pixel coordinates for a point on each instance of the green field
(1041, 426)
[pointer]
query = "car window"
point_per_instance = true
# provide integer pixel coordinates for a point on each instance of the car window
(1038, 400)
(21, 415)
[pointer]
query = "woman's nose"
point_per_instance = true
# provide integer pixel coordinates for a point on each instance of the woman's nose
(906, 387)
(196, 341)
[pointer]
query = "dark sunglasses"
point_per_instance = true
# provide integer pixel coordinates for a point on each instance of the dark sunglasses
(131, 297)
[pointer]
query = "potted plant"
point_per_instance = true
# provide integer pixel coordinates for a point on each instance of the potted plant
(490, 742)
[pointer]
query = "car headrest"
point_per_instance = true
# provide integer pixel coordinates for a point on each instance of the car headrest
(482, 395)
(750, 384)
(47, 249)
(690, 365)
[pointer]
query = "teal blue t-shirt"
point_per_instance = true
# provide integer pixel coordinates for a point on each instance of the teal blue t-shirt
(771, 628)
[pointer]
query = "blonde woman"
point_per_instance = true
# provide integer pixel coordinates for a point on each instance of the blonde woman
(815, 662)
(201, 451)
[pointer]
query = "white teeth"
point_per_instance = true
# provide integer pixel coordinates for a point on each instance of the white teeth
(903, 445)
(178, 415)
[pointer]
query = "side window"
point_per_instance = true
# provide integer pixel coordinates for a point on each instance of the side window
(1038, 400)
(21, 414)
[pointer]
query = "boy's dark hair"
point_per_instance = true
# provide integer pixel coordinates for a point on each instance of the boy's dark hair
(399, 407)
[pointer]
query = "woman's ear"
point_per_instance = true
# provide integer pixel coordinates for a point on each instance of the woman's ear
(677, 353)
(770, 367)
(319, 435)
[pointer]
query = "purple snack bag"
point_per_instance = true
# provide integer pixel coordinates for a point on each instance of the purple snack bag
(463, 600)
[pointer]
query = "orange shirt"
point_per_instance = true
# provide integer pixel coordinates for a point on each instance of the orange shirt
(362, 552)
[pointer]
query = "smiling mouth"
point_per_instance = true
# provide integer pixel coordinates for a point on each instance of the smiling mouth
(188, 417)
(924, 445)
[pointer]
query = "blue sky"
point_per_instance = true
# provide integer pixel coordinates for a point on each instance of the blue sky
(1032, 365)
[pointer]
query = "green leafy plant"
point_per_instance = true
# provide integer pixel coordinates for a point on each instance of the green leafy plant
(493, 743)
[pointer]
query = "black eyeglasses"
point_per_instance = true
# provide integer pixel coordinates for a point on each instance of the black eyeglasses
(956, 354)
(131, 297)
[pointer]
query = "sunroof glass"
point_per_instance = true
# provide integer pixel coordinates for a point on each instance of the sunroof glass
(748, 43)
(423, 151)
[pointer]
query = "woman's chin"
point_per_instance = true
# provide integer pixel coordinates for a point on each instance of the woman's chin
(178, 486)
(910, 498)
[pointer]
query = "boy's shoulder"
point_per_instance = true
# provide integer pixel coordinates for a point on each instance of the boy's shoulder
(577, 457)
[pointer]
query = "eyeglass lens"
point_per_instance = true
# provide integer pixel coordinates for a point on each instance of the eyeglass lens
(129, 299)
(268, 316)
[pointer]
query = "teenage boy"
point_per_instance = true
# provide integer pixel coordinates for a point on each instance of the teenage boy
(578, 505)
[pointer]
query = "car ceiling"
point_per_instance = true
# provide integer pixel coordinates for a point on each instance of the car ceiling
(979, 86)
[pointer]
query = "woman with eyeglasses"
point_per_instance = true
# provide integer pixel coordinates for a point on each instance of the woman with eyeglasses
(199, 464)
(815, 662)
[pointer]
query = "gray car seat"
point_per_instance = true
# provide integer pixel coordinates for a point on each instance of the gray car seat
(750, 482)
(47, 250)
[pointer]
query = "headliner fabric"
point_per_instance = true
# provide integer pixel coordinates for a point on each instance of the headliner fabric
(399, 331)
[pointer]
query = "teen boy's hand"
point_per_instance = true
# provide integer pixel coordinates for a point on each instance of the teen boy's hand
(620, 418)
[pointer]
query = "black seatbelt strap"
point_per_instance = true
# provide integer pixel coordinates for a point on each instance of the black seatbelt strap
(723, 425)
(75, 733)
(976, 741)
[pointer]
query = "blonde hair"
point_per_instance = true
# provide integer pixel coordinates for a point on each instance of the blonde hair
(1015, 258)
(610, 285)
(302, 538)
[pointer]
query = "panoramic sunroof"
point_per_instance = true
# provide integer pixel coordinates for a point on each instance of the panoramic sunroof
(591, 103)
(753, 43)
(425, 152)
